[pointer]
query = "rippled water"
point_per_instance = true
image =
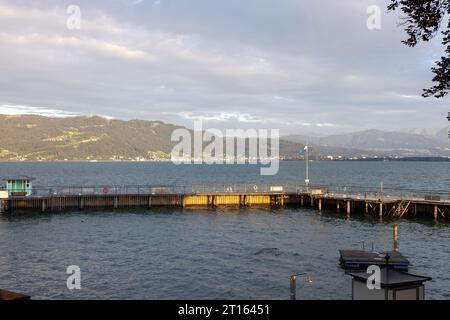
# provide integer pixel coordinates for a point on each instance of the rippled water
(209, 254)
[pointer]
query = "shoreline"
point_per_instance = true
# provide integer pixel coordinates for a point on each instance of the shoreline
(387, 159)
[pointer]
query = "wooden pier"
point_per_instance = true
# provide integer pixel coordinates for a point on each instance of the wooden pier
(342, 200)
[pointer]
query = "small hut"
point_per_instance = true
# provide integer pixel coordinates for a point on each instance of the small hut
(394, 285)
(19, 185)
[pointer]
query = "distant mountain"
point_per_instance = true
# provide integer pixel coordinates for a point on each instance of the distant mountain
(435, 133)
(381, 143)
(34, 137)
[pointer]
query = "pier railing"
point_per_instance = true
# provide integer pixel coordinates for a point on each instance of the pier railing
(256, 188)
(386, 193)
(362, 192)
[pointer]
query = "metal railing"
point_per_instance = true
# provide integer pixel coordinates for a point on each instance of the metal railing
(250, 188)
(387, 192)
(256, 188)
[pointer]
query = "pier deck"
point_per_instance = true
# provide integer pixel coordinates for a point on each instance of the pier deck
(348, 200)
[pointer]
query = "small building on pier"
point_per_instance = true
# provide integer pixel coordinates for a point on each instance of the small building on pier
(393, 285)
(19, 185)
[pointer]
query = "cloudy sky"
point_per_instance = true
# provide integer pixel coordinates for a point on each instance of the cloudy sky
(301, 66)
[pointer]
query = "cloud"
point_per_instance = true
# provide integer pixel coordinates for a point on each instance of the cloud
(74, 43)
(220, 116)
(21, 110)
(298, 66)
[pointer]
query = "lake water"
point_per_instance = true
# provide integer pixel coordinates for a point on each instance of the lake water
(212, 254)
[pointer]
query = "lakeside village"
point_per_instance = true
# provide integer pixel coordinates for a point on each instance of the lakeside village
(164, 157)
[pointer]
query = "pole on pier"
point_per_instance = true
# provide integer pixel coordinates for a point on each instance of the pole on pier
(293, 286)
(381, 190)
(435, 212)
(348, 207)
(320, 204)
(307, 167)
(395, 229)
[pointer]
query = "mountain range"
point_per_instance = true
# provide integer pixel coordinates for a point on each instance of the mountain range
(35, 137)
(370, 143)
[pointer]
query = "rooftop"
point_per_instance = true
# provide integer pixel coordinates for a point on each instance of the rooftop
(362, 258)
(392, 278)
(18, 177)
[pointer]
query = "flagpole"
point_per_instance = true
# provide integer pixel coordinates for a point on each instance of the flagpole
(307, 168)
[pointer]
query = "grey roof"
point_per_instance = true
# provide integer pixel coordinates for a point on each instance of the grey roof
(392, 278)
(372, 257)
(18, 177)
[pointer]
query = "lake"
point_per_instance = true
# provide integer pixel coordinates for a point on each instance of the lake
(176, 253)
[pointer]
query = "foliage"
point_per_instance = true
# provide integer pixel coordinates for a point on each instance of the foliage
(422, 20)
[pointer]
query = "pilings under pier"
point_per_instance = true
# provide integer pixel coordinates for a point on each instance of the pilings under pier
(83, 202)
(345, 204)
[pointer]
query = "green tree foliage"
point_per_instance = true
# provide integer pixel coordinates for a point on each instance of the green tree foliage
(422, 20)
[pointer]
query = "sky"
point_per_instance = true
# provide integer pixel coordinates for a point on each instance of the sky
(304, 67)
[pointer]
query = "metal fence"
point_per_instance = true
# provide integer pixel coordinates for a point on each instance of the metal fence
(256, 188)
(172, 189)
(388, 192)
